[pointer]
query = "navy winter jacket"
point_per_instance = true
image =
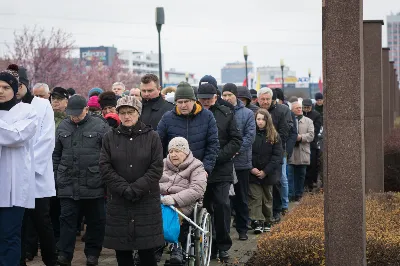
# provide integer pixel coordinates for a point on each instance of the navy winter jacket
(247, 125)
(200, 130)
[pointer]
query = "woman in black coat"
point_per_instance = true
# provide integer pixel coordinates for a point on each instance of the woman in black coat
(131, 165)
(266, 160)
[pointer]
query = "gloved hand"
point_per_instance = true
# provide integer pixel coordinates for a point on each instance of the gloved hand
(167, 200)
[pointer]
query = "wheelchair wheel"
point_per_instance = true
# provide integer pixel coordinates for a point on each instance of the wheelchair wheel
(203, 241)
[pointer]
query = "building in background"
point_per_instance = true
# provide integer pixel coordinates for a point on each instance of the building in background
(236, 72)
(139, 62)
(272, 74)
(104, 54)
(173, 77)
(393, 33)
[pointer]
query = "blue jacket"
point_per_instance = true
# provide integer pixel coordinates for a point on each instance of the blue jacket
(247, 125)
(200, 130)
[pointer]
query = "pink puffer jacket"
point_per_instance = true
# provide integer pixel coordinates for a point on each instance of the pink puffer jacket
(185, 183)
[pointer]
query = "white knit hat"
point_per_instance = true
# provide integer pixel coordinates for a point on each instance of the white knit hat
(180, 144)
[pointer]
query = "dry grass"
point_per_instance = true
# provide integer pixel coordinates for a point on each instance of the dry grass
(299, 239)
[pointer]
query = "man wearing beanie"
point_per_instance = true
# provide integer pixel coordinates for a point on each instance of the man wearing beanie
(80, 188)
(18, 125)
(38, 220)
(243, 160)
(216, 198)
(190, 120)
(208, 79)
(312, 169)
(24, 94)
(154, 106)
(319, 105)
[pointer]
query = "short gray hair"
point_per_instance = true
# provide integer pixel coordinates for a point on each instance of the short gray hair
(41, 85)
(264, 90)
(119, 84)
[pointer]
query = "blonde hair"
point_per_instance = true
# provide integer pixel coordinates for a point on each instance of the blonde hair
(167, 90)
(271, 134)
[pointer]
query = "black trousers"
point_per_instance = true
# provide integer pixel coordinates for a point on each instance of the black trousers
(94, 211)
(240, 203)
(312, 169)
(32, 238)
(147, 257)
(41, 222)
(55, 211)
(217, 203)
(276, 195)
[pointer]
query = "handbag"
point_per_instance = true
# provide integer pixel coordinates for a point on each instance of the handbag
(171, 224)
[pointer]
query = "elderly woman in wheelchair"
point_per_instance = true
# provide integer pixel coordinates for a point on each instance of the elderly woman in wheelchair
(182, 185)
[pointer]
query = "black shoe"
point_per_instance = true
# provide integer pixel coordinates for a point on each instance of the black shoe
(257, 226)
(284, 211)
(63, 261)
(223, 256)
(243, 236)
(92, 260)
(176, 255)
(277, 218)
(266, 227)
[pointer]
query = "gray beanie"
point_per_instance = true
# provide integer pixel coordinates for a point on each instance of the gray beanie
(184, 91)
(180, 144)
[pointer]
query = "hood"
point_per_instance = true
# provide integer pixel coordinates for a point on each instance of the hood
(239, 105)
(243, 92)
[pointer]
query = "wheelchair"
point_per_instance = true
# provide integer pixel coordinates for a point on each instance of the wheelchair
(197, 251)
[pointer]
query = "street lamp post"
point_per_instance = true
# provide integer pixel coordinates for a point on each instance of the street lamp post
(309, 82)
(283, 80)
(187, 77)
(245, 54)
(159, 22)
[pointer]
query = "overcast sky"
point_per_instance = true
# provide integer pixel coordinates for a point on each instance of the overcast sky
(199, 36)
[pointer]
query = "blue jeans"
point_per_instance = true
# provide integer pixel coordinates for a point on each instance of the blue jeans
(10, 235)
(296, 177)
(284, 185)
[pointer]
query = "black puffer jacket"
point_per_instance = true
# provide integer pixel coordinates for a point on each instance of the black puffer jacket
(317, 120)
(153, 110)
(282, 118)
(131, 165)
(230, 141)
(268, 158)
(76, 158)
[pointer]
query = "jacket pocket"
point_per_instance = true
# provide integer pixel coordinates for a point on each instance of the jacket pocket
(93, 179)
(63, 179)
(90, 140)
(66, 139)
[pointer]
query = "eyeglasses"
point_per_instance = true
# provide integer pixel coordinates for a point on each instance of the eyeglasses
(130, 113)
(182, 102)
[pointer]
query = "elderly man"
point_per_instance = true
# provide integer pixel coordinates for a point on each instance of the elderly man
(80, 188)
(135, 92)
(301, 153)
(118, 88)
(41, 90)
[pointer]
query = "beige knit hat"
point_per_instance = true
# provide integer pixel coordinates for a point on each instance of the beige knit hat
(131, 101)
(180, 144)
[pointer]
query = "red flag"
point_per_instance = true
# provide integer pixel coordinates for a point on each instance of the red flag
(245, 82)
(320, 85)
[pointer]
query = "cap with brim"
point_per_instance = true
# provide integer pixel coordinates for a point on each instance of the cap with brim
(206, 91)
(74, 112)
(58, 95)
(76, 104)
(205, 96)
(307, 102)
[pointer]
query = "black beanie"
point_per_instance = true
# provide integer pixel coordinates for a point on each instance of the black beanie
(10, 76)
(107, 98)
(319, 96)
(231, 88)
(23, 77)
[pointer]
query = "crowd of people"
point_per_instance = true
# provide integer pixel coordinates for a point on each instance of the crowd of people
(111, 158)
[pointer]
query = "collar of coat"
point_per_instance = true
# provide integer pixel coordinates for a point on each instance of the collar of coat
(137, 129)
(185, 164)
(154, 103)
(197, 108)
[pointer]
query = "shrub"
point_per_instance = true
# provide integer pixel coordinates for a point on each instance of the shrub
(299, 239)
(392, 159)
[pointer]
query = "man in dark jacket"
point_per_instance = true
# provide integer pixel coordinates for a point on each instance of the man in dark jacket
(312, 169)
(245, 96)
(154, 106)
(319, 104)
(216, 198)
(80, 188)
(191, 121)
(208, 79)
(246, 123)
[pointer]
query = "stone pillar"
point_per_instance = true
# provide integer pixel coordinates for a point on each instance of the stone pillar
(344, 176)
(373, 111)
(396, 97)
(392, 95)
(386, 91)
